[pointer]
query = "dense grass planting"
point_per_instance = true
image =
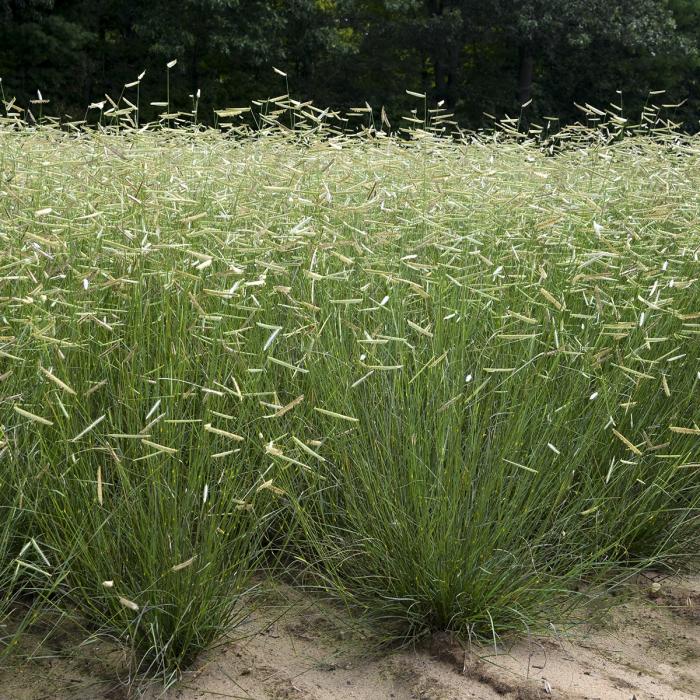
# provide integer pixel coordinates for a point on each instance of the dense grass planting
(452, 382)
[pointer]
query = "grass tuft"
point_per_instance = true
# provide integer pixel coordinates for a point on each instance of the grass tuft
(453, 381)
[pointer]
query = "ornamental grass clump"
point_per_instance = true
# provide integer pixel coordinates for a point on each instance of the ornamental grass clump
(452, 381)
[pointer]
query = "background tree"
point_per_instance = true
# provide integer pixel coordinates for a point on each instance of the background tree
(476, 55)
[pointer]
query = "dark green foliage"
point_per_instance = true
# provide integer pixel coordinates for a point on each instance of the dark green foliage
(476, 56)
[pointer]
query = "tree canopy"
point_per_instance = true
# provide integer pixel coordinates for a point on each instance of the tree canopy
(478, 56)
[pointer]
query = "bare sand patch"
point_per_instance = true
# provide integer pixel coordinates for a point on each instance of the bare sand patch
(296, 647)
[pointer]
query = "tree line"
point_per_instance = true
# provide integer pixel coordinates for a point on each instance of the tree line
(478, 57)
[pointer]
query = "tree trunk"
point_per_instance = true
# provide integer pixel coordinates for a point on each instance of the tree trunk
(526, 73)
(451, 82)
(424, 73)
(444, 58)
(444, 70)
(440, 77)
(193, 68)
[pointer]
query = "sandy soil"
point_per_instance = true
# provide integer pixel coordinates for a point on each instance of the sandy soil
(298, 648)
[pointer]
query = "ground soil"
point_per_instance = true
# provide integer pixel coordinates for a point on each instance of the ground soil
(297, 647)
